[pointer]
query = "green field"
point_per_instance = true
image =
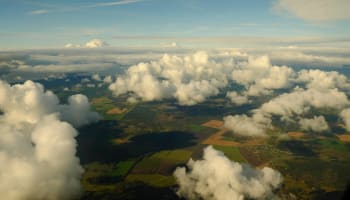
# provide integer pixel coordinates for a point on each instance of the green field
(196, 128)
(334, 144)
(159, 139)
(123, 168)
(103, 104)
(92, 178)
(162, 162)
(154, 180)
(232, 153)
(176, 156)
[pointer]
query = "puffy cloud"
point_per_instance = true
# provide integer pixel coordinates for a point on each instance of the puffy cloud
(244, 125)
(37, 148)
(195, 92)
(77, 112)
(108, 79)
(315, 10)
(317, 124)
(29, 102)
(43, 157)
(260, 77)
(189, 79)
(300, 101)
(237, 98)
(96, 43)
(192, 79)
(26, 102)
(143, 84)
(217, 178)
(96, 77)
(345, 115)
(323, 80)
(288, 106)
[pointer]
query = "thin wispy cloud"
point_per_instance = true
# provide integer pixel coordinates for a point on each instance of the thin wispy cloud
(314, 10)
(39, 12)
(71, 9)
(116, 3)
(244, 40)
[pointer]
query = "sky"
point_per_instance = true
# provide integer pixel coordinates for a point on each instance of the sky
(53, 24)
(271, 51)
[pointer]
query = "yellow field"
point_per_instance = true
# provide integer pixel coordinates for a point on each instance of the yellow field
(214, 124)
(216, 139)
(116, 111)
(344, 138)
(296, 135)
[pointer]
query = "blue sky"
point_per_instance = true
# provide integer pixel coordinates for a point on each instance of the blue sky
(51, 24)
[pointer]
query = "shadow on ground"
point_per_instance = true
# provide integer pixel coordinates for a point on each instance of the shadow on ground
(95, 143)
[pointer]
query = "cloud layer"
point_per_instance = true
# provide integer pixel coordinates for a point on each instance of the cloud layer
(111, 61)
(317, 124)
(37, 142)
(189, 79)
(315, 10)
(95, 43)
(289, 107)
(217, 178)
(194, 78)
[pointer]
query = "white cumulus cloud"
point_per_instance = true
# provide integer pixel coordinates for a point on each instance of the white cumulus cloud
(259, 76)
(345, 115)
(317, 124)
(218, 178)
(37, 142)
(96, 43)
(236, 98)
(244, 125)
(189, 79)
(301, 101)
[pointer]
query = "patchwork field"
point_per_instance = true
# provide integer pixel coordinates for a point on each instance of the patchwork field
(163, 162)
(154, 180)
(296, 135)
(142, 148)
(219, 139)
(110, 109)
(344, 138)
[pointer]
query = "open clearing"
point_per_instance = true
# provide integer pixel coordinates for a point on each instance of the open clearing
(155, 180)
(162, 162)
(121, 141)
(344, 138)
(116, 111)
(214, 124)
(232, 152)
(217, 138)
(296, 135)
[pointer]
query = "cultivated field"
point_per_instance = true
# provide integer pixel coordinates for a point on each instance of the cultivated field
(219, 140)
(344, 138)
(296, 135)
